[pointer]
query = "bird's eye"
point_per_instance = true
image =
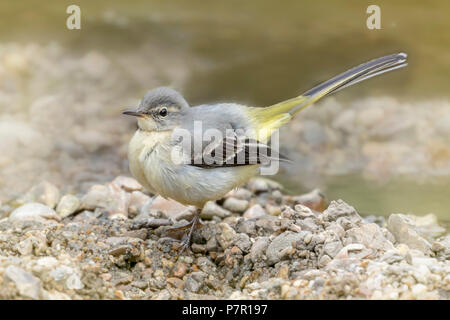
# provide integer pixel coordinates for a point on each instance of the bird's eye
(163, 112)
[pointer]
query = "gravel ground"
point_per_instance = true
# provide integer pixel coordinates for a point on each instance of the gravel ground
(114, 242)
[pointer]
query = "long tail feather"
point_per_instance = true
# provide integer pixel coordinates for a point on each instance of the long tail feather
(362, 72)
(275, 116)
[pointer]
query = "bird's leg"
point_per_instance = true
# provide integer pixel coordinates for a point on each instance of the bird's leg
(188, 236)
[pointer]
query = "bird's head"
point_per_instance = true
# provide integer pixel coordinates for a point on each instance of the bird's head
(161, 109)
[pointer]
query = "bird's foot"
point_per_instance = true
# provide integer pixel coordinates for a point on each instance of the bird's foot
(187, 237)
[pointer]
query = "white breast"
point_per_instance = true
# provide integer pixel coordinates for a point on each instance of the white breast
(152, 166)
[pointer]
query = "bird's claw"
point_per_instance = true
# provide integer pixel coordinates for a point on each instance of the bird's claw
(185, 243)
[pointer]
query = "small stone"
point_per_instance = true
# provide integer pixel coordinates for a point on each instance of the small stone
(26, 283)
(427, 226)
(268, 223)
(307, 224)
(25, 247)
(246, 226)
(226, 236)
(258, 185)
(303, 211)
(175, 282)
(45, 193)
(127, 183)
(73, 282)
(418, 290)
(332, 248)
(150, 223)
(336, 229)
(254, 212)
(403, 229)
(308, 237)
(169, 208)
(283, 273)
(437, 246)
(55, 295)
(240, 193)
(371, 236)
(139, 233)
(110, 198)
(338, 209)
(324, 260)
(211, 244)
(285, 240)
(34, 211)
(67, 205)
(259, 248)
(140, 284)
(137, 202)
(273, 210)
(243, 242)
(392, 256)
(212, 209)
(191, 284)
(198, 248)
(235, 205)
(314, 200)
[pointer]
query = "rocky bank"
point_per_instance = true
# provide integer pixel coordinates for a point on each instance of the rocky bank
(114, 242)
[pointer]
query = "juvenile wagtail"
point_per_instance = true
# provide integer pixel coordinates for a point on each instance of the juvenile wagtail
(194, 181)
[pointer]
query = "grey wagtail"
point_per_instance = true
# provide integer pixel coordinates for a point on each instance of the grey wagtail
(194, 181)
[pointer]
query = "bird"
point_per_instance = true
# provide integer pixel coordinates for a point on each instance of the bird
(169, 156)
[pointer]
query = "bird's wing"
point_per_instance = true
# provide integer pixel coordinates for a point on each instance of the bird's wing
(234, 150)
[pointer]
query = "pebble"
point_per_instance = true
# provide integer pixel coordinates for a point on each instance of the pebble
(371, 236)
(418, 290)
(303, 211)
(324, 261)
(212, 209)
(273, 210)
(314, 200)
(332, 248)
(338, 209)
(235, 205)
(26, 283)
(259, 248)
(258, 185)
(34, 211)
(169, 208)
(137, 202)
(127, 183)
(254, 212)
(67, 205)
(111, 198)
(180, 270)
(403, 229)
(73, 282)
(285, 240)
(191, 284)
(243, 242)
(240, 193)
(45, 193)
(308, 224)
(226, 236)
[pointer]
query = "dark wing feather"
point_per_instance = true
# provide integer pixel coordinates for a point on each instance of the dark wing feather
(233, 151)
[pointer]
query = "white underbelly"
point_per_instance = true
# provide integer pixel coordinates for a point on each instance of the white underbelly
(193, 185)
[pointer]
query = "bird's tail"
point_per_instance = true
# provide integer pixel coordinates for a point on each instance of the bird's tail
(273, 117)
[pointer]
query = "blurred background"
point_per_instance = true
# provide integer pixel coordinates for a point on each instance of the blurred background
(382, 146)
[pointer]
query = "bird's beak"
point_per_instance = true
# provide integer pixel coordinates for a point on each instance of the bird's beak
(133, 113)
